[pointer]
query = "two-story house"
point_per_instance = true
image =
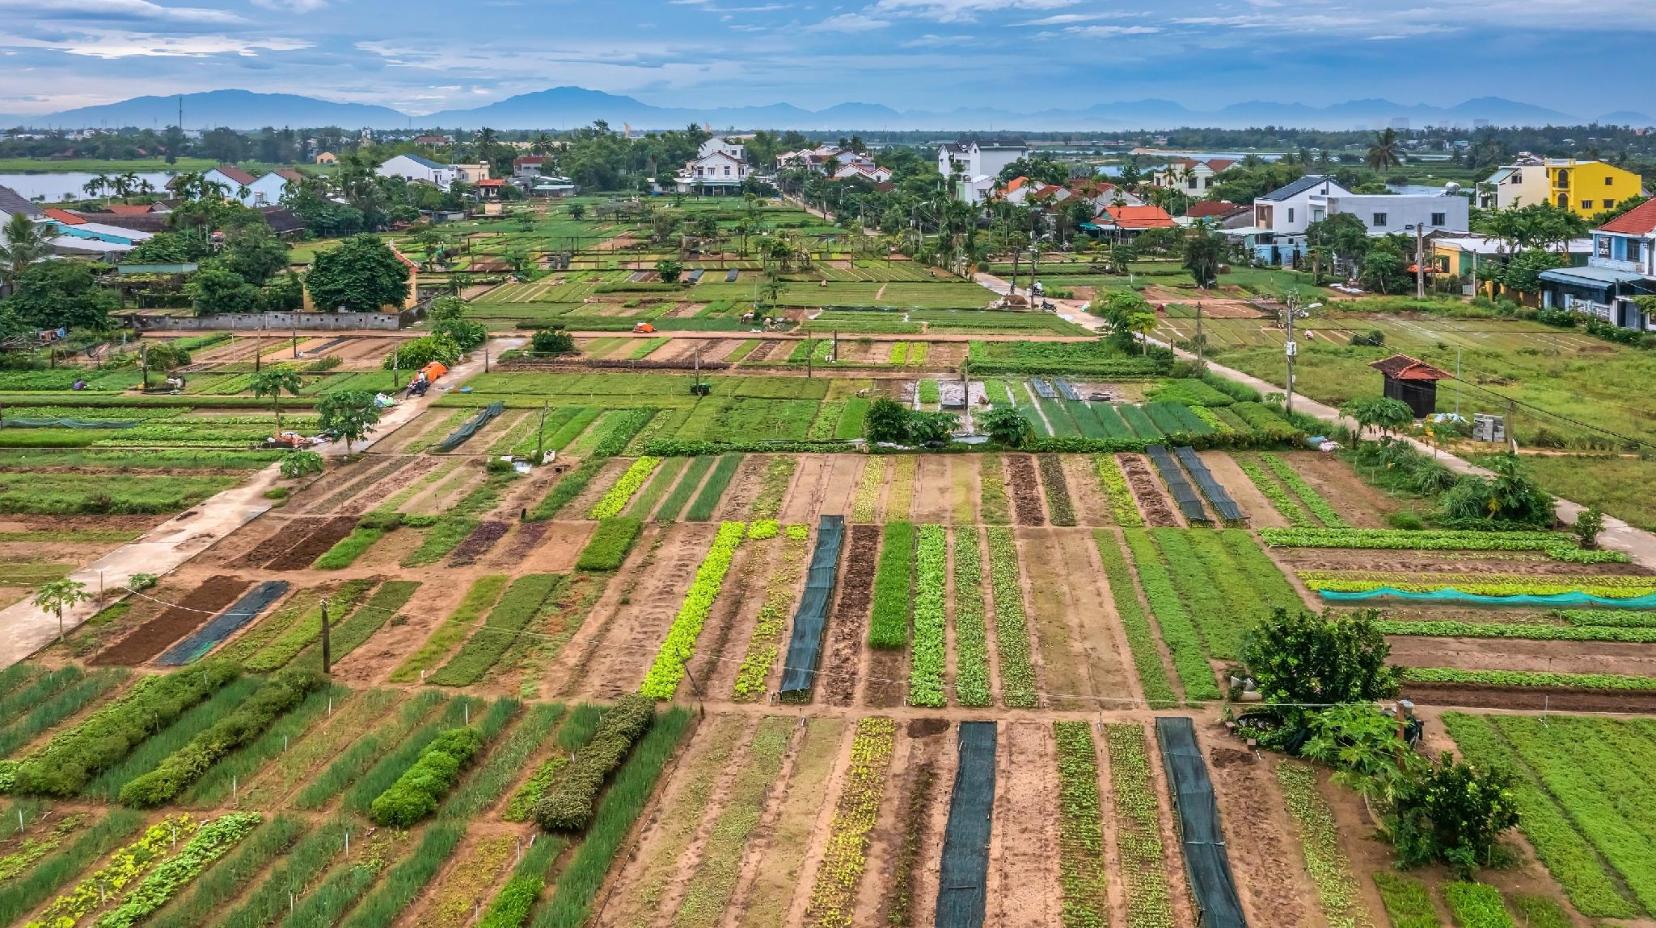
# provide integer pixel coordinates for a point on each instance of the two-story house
(978, 163)
(1282, 216)
(720, 167)
(1621, 268)
(1585, 188)
(1191, 176)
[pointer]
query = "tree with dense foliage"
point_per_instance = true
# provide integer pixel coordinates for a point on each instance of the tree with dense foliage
(1127, 315)
(53, 294)
(273, 382)
(22, 243)
(887, 421)
(348, 414)
(1204, 252)
(1522, 272)
(669, 269)
(1536, 225)
(1041, 168)
(1451, 813)
(1343, 234)
(1005, 425)
(214, 290)
(1385, 271)
(552, 341)
(1304, 659)
(363, 274)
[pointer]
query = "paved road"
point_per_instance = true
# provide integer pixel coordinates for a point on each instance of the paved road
(27, 629)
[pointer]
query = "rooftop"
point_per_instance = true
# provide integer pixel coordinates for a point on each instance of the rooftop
(1640, 220)
(12, 203)
(1298, 187)
(1403, 367)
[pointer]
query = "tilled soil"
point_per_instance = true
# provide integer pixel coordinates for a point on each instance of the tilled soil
(845, 628)
(1026, 489)
(311, 547)
(1158, 513)
(478, 543)
(1524, 697)
(764, 350)
(149, 639)
(371, 496)
(377, 473)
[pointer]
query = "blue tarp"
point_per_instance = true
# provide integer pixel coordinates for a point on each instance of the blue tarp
(1452, 595)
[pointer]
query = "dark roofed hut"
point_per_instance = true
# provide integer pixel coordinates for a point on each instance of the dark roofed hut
(1413, 381)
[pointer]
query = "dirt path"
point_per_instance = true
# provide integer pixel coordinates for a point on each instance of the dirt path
(1270, 875)
(1023, 838)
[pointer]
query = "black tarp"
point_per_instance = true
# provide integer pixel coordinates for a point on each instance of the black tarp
(470, 427)
(1206, 860)
(962, 886)
(811, 618)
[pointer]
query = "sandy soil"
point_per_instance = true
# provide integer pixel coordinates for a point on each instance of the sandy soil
(933, 488)
(847, 623)
(1023, 839)
(1091, 506)
(1270, 878)
(1255, 507)
(1519, 654)
(1360, 504)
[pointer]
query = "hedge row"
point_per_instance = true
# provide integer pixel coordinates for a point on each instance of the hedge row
(70, 760)
(570, 799)
(416, 793)
(184, 766)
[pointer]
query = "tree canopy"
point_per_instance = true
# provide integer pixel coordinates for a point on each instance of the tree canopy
(361, 275)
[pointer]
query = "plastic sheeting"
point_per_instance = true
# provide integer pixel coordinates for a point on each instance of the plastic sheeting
(1216, 494)
(1451, 595)
(962, 886)
(24, 422)
(811, 618)
(470, 427)
(1183, 493)
(1206, 860)
(225, 624)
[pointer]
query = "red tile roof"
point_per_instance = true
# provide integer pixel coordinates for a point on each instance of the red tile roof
(290, 175)
(64, 216)
(1206, 209)
(236, 174)
(1220, 164)
(129, 209)
(491, 182)
(1016, 182)
(1403, 367)
(1640, 220)
(1140, 217)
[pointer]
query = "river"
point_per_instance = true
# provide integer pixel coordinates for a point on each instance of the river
(67, 185)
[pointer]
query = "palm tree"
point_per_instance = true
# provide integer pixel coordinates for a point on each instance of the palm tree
(1385, 152)
(273, 382)
(22, 243)
(96, 185)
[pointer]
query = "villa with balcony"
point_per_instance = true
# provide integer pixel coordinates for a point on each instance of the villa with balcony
(1621, 269)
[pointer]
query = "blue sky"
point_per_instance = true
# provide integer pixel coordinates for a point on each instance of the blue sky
(424, 55)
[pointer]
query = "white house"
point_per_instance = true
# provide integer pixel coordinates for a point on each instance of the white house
(974, 158)
(269, 189)
(1280, 217)
(719, 168)
(423, 170)
(1621, 270)
(237, 183)
(867, 170)
(1191, 176)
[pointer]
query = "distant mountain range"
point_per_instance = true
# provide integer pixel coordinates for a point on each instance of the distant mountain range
(567, 107)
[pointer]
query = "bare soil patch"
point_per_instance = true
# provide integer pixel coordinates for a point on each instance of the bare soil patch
(152, 637)
(1360, 504)
(1258, 510)
(1091, 507)
(837, 683)
(1152, 502)
(933, 488)
(1025, 487)
(1023, 839)
(1270, 881)
(312, 546)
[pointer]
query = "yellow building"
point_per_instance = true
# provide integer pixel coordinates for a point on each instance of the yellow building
(1585, 188)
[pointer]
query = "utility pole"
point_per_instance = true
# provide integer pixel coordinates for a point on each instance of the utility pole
(327, 645)
(1457, 383)
(1511, 433)
(1201, 343)
(295, 334)
(540, 434)
(1420, 261)
(1291, 349)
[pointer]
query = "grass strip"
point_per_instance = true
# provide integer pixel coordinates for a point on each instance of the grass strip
(294, 874)
(615, 500)
(856, 812)
(1408, 902)
(307, 628)
(1082, 874)
(608, 547)
(1116, 490)
(361, 625)
(929, 660)
(714, 881)
(707, 501)
(1138, 815)
(576, 731)
(1280, 499)
(359, 798)
(773, 486)
(665, 673)
(1328, 865)
(680, 497)
(1313, 502)
(1178, 632)
(62, 705)
(522, 602)
(1141, 636)
(481, 596)
(992, 501)
(272, 841)
(153, 751)
(511, 907)
(210, 842)
(1017, 671)
(1476, 905)
(645, 502)
(888, 625)
(971, 634)
(772, 619)
(346, 550)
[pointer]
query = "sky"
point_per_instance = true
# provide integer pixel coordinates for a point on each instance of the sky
(420, 56)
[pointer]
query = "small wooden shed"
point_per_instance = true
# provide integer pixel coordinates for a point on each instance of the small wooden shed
(1413, 381)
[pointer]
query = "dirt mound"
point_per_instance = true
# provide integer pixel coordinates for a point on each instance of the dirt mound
(1026, 489)
(1154, 505)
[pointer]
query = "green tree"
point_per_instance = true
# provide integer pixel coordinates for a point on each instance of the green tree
(1522, 272)
(1127, 314)
(888, 420)
(362, 275)
(1364, 747)
(273, 382)
(1005, 425)
(50, 294)
(1342, 233)
(669, 269)
(1300, 658)
(1509, 495)
(1385, 151)
(348, 414)
(1452, 813)
(58, 595)
(254, 253)
(1385, 272)
(1379, 412)
(1204, 252)
(577, 210)
(214, 290)
(22, 243)
(552, 341)
(1587, 526)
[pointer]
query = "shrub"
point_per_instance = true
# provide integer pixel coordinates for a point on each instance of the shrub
(609, 545)
(301, 463)
(570, 799)
(416, 793)
(68, 762)
(279, 694)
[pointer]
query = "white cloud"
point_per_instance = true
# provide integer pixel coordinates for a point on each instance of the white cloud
(850, 22)
(1105, 32)
(931, 40)
(1063, 19)
(112, 45)
(119, 9)
(960, 11)
(299, 6)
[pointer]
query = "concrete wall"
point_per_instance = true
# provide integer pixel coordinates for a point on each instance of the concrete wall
(278, 322)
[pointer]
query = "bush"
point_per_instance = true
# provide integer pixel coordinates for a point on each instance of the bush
(569, 800)
(552, 341)
(416, 353)
(72, 758)
(416, 793)
(182, 767)
(301, 463)
(610, 543)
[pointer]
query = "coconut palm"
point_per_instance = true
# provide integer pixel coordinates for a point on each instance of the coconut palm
(1386, 151)
(22, 243)
(96, 185)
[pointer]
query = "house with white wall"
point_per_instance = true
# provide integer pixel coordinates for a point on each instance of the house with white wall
(1191, 176)
(1621, 268)
(423, 170)
(1281, 217)
(716, 170)
(979, 162)
(237, 183)
(269, 189)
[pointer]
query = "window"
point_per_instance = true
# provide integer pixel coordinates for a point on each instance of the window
(727, 170)
(1586, 204)
(1609, 204)
(1379, 221)
(1290, 214)
(1633, 245)
(1609, 182)
(1193, 183)
(1440, 219)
